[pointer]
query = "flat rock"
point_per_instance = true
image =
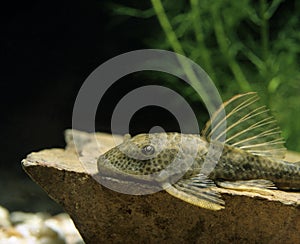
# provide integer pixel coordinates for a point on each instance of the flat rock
(102, 215)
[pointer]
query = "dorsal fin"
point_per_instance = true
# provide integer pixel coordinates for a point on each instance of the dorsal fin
(249, 126)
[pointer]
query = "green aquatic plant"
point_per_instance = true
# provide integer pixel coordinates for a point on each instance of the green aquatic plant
(243, 46)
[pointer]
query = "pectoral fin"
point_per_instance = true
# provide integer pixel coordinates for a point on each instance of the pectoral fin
(197, 191)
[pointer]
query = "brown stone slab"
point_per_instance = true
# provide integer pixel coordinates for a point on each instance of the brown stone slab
(102, 215)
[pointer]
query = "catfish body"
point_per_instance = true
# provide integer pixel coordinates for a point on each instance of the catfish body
(236, 164)
(190, 166)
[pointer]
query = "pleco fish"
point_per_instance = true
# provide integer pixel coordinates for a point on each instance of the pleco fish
(251, 158)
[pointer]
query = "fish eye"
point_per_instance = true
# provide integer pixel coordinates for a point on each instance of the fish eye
(148, 150)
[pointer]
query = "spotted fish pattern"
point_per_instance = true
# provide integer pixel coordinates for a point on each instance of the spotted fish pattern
(190, 166)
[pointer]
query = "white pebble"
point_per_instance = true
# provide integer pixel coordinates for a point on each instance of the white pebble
(4, 217)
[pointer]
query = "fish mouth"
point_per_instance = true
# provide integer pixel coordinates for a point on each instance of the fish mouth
(119, 181)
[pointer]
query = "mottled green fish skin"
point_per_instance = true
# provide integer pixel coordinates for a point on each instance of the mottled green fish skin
(237, 164)
(234, 163)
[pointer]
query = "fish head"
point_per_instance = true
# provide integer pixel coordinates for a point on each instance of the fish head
(150, 155)
(143, 154)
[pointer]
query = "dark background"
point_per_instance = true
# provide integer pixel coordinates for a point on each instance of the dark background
(48, 49)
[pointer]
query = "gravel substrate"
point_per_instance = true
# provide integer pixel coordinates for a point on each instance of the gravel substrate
(37, 228)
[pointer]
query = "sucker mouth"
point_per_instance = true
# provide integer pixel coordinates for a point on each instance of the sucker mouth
(115, 178)
(114, 174)
(126, 183)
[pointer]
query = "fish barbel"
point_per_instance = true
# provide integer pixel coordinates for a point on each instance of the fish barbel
(251, 157)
